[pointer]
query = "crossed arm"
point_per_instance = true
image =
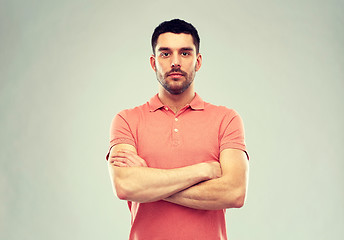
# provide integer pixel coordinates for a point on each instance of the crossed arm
(208, 186)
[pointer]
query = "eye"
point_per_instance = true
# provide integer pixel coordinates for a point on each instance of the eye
(164, 54)
(184, 54)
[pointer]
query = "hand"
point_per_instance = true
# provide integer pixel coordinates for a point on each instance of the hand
(127, 158)
(214, 169)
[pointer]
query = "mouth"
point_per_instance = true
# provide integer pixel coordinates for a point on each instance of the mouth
(175, 75)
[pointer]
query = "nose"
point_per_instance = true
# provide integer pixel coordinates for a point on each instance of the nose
(175, 62)
(173, 65)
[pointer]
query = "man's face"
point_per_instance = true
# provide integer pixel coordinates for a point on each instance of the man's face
(175, 61)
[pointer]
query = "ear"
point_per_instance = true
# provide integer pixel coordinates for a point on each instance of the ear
(198, 61)
(152, 62)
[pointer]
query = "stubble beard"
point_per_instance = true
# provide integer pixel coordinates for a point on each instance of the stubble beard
(162, 79)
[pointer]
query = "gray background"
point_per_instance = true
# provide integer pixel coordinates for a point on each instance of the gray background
(68, 66)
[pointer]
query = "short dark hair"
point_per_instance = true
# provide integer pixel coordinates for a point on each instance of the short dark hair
(175, 26)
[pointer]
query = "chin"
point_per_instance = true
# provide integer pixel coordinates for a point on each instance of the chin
(176, 91)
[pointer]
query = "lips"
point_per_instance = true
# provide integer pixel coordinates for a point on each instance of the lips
(176, 75)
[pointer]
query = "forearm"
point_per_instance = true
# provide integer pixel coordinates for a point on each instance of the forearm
(214, 194)
(143, 184)
(228, 191)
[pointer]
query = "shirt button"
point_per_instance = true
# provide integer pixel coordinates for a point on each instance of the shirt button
(176, 130)
(176, 119)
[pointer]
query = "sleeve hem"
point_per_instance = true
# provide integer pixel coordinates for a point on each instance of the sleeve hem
(119, 141)
(235, 146)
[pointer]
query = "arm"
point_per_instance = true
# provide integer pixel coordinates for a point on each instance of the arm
(228, 191)
(142, 184)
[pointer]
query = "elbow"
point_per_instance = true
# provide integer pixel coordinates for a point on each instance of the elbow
(236, 199)
(122, 187)
(121, 194)
(239, 201)
(122, 190)
(130, 194)
(129, 191)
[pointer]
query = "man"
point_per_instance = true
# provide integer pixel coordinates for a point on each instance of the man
(177, 160)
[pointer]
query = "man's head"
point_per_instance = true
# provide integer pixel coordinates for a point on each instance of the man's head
(176, 57)
(175, 26)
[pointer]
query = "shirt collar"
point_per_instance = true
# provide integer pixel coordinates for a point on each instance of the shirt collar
(196, 104)
(155, 103)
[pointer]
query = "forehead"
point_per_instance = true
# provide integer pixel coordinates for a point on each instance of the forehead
(175, 41)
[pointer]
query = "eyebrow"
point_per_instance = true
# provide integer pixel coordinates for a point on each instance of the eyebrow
(168, 49)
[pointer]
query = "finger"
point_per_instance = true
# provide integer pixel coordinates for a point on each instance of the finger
(116, 158)
(132, 156)
(137, 160)
(127, 151)
(120, 154)
(126, 161)
(120, 164)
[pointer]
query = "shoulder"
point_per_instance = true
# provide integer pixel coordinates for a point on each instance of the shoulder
(220, 111)
(133, 113)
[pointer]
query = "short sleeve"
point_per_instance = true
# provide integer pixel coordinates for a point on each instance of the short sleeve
(232, 134)
(120, 132)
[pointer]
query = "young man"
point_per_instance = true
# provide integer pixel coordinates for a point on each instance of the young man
(177, 160)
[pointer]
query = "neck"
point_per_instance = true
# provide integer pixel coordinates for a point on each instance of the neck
(176, 102)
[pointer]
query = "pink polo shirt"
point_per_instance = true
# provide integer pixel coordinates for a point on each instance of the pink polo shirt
(165, 140)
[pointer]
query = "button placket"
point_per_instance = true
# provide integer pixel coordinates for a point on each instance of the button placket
(176, 131)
